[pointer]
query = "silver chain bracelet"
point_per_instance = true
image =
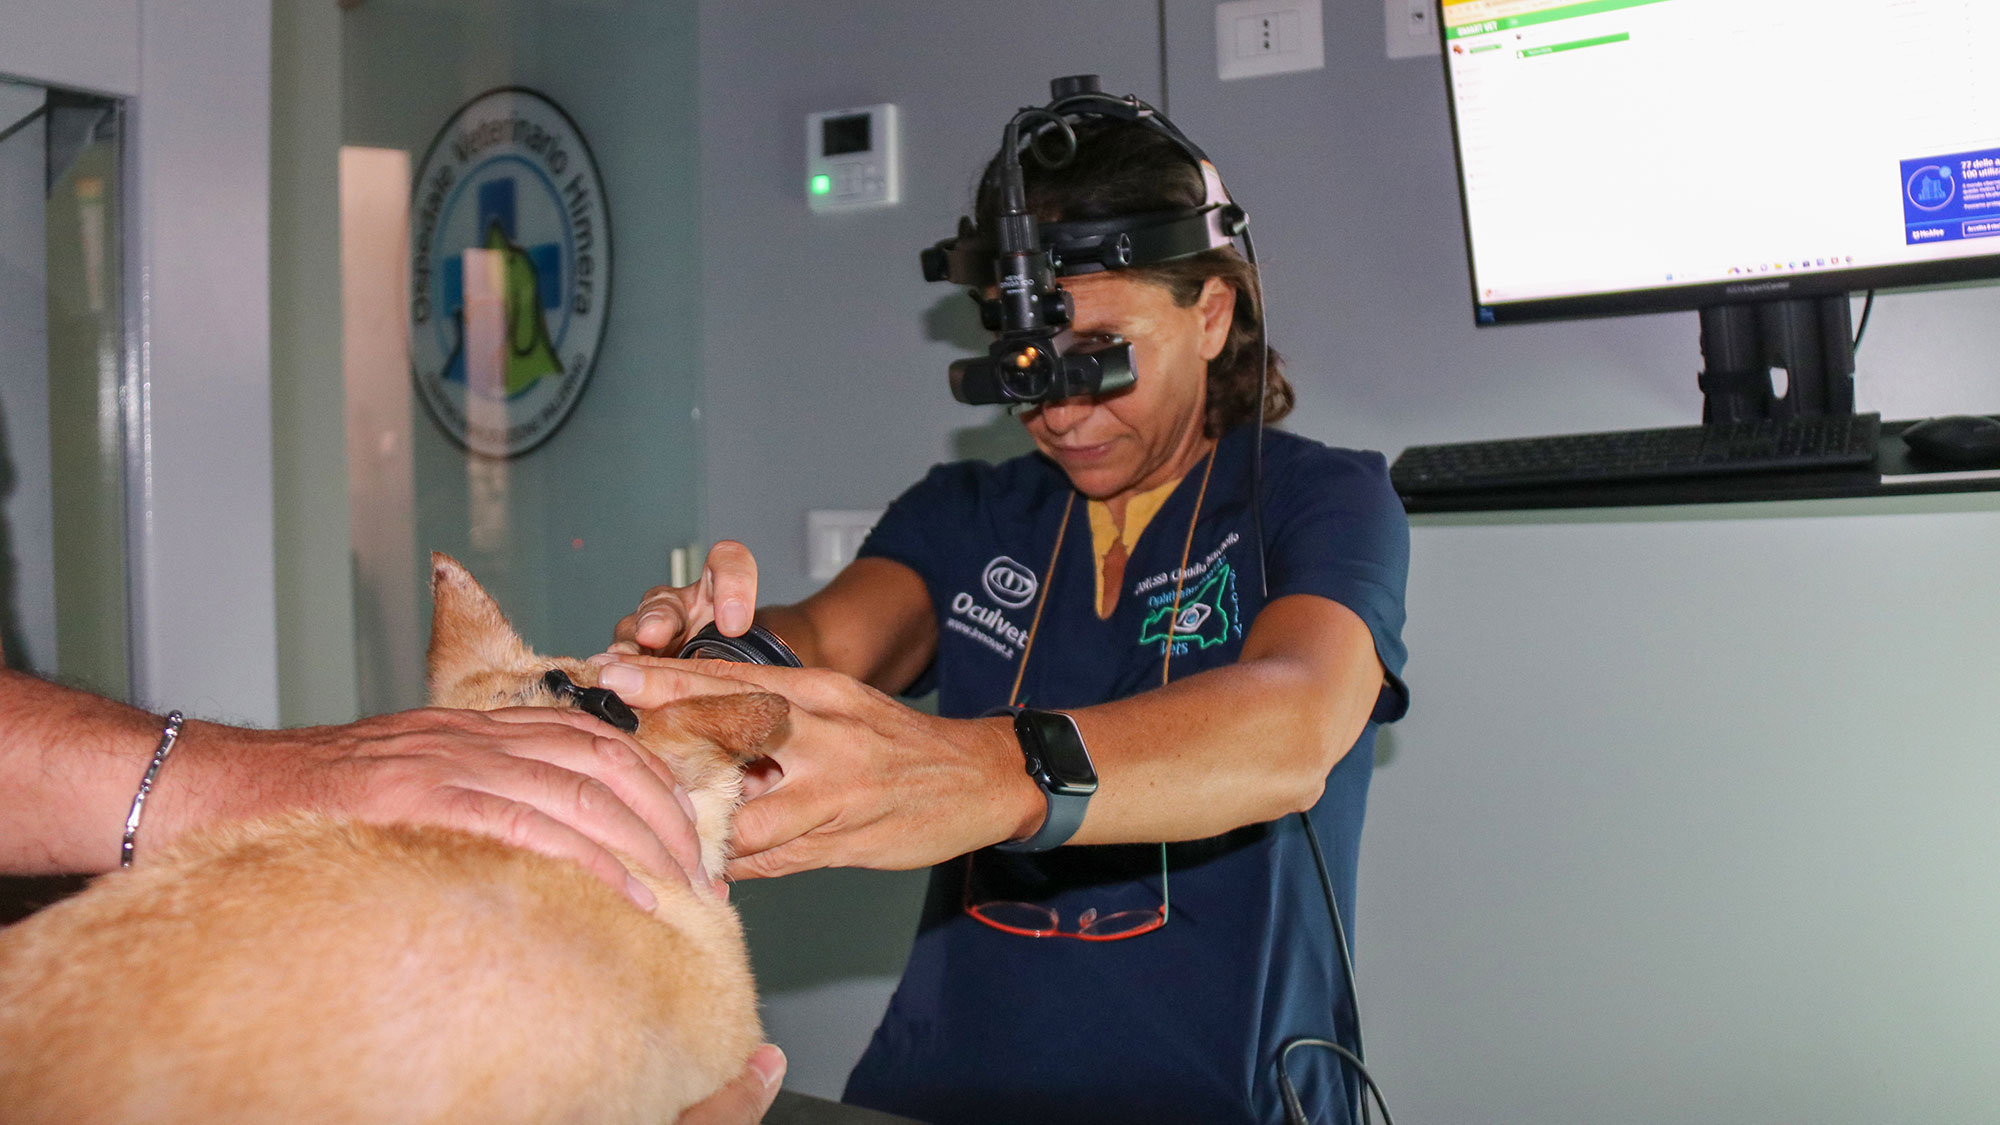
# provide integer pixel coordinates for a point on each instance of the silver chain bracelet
(169, 734)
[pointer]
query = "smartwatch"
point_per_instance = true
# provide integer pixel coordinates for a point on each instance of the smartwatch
(1055, 758)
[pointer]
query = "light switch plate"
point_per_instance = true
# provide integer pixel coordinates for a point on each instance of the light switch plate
(1410, 28)
(832, 538)
(1254, 38)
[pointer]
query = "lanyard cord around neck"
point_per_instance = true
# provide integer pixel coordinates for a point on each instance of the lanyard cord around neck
(1041, 603)
(1049, 574)
(1180, 572)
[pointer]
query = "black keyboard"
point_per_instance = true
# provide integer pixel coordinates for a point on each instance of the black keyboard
(1638, 455)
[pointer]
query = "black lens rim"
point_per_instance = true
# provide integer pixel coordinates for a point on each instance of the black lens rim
(757, 646)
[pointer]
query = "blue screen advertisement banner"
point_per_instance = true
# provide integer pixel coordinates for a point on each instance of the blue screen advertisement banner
(1946, 198)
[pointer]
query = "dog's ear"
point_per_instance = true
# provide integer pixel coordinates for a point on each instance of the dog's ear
(469, 634)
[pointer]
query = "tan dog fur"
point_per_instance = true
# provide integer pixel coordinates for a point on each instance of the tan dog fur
(314, 969)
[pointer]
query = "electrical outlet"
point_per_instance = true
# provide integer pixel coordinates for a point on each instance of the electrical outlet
(1410, 28)
(1259, 37)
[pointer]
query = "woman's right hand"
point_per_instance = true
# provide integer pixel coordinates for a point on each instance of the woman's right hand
(669, 616)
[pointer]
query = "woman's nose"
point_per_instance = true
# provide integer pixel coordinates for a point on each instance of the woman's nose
(1063, 415)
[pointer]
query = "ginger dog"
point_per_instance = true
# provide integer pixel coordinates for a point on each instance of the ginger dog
(315, 969)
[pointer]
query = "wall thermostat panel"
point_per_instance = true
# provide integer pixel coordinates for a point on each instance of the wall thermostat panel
(853, 158)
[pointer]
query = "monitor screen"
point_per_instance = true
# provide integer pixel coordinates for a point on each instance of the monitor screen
(1624, 156)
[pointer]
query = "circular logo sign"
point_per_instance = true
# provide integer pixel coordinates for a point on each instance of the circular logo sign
(1931, 187)
(510, 271)
(1009, 583)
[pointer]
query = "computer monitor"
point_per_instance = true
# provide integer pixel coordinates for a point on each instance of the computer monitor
(1757, 160)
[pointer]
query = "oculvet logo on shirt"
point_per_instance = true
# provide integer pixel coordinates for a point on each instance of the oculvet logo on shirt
(995, 631)
(1009, 583)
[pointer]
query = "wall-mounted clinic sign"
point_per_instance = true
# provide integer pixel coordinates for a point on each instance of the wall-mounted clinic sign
(510, 271)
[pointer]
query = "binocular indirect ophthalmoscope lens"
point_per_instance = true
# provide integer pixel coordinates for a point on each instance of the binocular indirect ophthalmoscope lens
(758, 646)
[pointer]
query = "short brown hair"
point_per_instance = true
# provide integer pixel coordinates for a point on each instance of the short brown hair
(1125, 168)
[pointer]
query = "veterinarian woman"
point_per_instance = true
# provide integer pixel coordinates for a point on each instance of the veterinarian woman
(1113, 578)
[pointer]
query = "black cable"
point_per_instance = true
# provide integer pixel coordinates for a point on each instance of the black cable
(1339, 931)
(1867, 306)
(1295, 1110)
(1163, 57)
(1347, 972)
(1257, 435)
(1044, 124)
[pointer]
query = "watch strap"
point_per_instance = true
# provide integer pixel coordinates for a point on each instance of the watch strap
(1064, 817)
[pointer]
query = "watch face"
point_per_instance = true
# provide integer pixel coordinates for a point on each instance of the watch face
(1059, 744)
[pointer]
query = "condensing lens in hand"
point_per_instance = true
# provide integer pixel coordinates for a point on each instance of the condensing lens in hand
(758, 646)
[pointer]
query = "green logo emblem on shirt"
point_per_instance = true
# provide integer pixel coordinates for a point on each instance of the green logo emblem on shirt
(1204, 618)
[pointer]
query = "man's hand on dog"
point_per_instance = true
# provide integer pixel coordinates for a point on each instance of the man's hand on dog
(744, 1100)
(556, 782)
(669, 616)
(854, 779)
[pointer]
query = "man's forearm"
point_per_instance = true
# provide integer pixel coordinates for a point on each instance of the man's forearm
(69, 763)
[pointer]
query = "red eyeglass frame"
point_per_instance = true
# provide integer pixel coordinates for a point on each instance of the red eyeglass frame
(1084, 921)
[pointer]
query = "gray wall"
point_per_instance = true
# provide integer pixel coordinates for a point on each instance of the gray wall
(1688, 819)
(204, 599)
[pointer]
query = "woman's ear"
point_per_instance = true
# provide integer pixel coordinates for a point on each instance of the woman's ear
(1217, 305)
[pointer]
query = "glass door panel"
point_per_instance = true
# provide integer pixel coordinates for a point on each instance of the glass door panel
(63, 566)
(511, 250)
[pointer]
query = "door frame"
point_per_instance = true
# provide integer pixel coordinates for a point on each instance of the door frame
(196, 79)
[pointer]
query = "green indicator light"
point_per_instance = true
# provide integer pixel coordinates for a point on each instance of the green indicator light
(822, 184)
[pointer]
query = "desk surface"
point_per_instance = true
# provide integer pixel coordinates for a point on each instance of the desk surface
(803, 1109)
(1892, 475)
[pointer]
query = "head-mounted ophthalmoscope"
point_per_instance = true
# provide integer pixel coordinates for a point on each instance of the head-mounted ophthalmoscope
(1012, 266)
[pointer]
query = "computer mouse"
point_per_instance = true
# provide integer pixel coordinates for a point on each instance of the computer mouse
(1956, 439)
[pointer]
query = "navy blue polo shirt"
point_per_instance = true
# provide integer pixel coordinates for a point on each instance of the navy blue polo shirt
(1183, 1023)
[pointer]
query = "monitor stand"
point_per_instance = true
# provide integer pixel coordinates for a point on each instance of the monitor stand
(1811, 339)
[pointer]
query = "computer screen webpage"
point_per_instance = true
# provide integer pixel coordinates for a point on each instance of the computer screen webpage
(1626, 146)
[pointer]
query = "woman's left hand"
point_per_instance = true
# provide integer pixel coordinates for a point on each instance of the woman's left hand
(860, 779)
